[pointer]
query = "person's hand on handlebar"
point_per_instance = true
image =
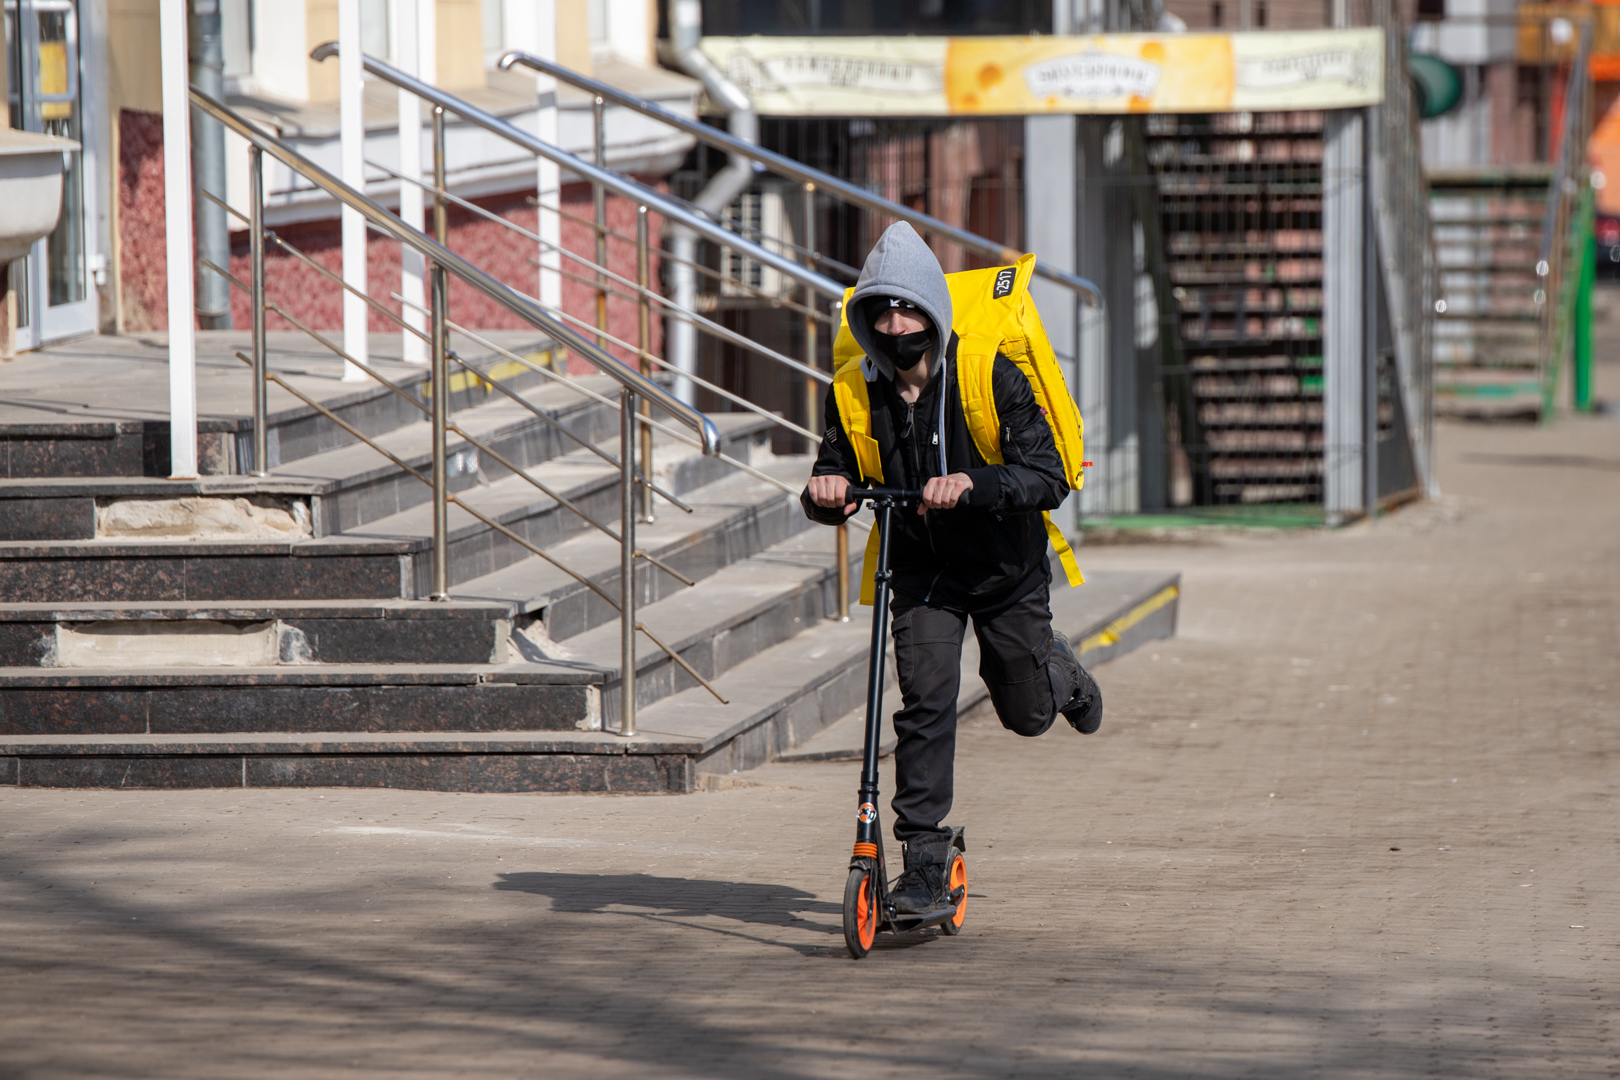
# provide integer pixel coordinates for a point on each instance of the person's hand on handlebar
(942, 492)
(830, 491)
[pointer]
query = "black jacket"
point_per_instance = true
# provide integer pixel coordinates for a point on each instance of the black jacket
(988, 551)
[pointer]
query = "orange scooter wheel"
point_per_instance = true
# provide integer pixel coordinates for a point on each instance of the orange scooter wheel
(860, 911)
(957, 879)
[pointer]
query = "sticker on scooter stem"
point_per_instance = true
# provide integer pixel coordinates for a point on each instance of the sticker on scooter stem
(867, 814)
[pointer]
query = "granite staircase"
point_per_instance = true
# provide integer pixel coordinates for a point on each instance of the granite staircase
(247, 632)
(241, 631)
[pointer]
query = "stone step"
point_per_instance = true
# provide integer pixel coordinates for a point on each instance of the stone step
(143, 657)
(389, 560)
(732, 616)
(356, 485)
(476, 549)
(788, 694)
(91, 571)
(451, 736)
(161, 636)
(733, 519)
(330, 490)
(108, 424)
(435, 761)
(355, 698)
(144, 508)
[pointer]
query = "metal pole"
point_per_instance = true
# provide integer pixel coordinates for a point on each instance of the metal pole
(208, 168)
(627, 563)
(261, 359)
(599, 196)
(441, 223)
(440, 389)
(644, 328)
(811, 421)
(843, 572)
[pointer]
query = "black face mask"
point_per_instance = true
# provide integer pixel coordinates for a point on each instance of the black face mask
(904, 351)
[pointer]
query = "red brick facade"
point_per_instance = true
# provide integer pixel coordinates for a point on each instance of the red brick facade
(317, 302)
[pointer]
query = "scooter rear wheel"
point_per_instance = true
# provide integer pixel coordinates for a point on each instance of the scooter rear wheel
(956, 879)
(860, 911)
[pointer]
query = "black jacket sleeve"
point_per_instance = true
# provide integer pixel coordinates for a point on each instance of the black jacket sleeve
(836, 458)
(1032, 477)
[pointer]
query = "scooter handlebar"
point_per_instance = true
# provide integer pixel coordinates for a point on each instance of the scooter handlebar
(898, 496)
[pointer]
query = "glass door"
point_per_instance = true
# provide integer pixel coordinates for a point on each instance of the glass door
(54, 296)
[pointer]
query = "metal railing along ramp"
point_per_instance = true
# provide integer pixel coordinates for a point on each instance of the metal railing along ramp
(367, 684)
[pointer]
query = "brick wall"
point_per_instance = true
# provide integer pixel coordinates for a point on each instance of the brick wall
(317, 302)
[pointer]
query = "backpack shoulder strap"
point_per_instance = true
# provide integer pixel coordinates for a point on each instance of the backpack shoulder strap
(855, 413)
(975, 366)
(975, 363)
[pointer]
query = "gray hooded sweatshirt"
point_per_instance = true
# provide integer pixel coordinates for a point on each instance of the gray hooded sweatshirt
(991, 548)
(900, 265)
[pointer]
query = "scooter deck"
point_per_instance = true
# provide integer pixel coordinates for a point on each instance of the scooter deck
(904, 923)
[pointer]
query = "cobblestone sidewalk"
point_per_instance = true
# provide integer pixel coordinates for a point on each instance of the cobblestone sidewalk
(1358, 819)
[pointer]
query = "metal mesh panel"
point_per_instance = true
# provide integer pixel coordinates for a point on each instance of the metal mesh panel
(1240, 213)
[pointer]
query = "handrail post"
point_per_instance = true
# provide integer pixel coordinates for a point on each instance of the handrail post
(440, 385)
(599, 198)
(843, 571)
(627, 563)
(811, 421)
(261, 359)
(644, 340)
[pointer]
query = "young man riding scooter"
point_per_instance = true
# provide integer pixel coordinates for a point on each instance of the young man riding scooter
(976, 547)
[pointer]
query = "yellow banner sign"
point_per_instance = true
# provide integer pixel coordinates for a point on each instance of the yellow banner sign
(1009, 76)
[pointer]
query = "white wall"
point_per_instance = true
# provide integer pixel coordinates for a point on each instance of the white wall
(630, 35)
(280, 59)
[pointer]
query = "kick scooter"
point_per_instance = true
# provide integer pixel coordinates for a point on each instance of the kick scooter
(866, 907)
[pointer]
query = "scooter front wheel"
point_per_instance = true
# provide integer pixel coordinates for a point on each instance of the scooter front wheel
(860, 911)
(955, 879)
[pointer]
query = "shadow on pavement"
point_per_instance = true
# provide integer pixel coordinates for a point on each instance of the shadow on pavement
(672, 900)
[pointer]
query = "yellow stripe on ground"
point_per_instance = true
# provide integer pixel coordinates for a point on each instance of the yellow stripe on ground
(1110, 634)
(466, 380)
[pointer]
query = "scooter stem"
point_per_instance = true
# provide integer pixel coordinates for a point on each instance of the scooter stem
(875, 671)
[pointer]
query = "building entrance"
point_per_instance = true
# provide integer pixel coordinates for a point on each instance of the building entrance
(46, 93)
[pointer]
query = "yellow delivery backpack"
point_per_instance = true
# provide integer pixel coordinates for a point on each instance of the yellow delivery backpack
(992, 312)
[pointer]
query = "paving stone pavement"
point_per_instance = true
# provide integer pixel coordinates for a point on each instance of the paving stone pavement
(1357, 820)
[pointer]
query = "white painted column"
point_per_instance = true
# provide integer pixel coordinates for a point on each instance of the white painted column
(352, 154)
(402, 24)
(548, 181)
(1093, 386)
(178, 247)
(1051, 192)
(1344, 238)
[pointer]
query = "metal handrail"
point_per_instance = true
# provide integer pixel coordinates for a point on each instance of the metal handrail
(671, 209)
(522, 306)
(1573, 105)
(1553, 294)
(634, 387)
(786, 166)
(670, 256)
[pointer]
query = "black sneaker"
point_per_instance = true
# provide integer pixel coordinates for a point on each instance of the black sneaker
(1084, 709)
(921, 889)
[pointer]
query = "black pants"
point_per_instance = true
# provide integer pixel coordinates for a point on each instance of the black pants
(1015, 644)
